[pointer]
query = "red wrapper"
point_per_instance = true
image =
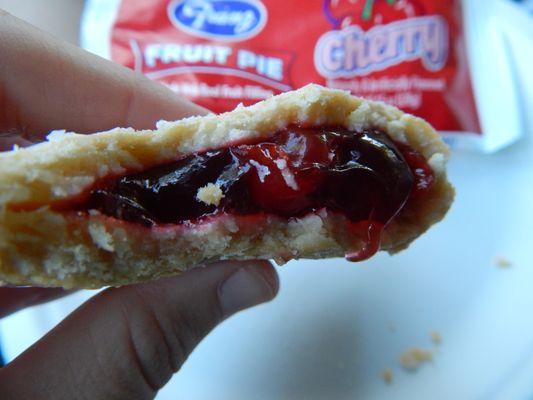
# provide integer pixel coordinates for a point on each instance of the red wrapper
(219, 53)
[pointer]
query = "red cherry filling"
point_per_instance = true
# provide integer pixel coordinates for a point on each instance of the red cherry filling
(421, 170)
(363, 175)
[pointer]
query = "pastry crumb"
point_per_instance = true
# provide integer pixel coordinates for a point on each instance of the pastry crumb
(387, 376)
(413, 358)
(282, 259)
(436, 338)
(210, 194)
(502, 262)
(101, 238)
(287, 174)
(262, 170)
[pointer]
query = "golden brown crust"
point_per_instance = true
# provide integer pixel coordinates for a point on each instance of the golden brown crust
(45, 247)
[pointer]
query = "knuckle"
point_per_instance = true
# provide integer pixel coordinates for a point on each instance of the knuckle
(160, 339)
(148, 345)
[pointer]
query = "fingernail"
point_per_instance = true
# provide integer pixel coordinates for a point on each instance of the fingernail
(246, 287)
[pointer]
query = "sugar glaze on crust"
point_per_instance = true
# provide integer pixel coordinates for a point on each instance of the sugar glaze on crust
(39, 246)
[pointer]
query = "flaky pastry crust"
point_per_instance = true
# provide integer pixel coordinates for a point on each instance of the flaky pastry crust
(40, 245)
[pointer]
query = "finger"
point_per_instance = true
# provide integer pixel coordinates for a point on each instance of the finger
(126, 343)
(47, 84)
(14, 299)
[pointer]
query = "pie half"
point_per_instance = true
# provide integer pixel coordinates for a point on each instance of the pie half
(312, 173)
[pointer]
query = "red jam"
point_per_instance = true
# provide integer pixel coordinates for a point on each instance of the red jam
(363, 175)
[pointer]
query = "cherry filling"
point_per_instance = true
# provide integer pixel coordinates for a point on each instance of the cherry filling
(364, 175)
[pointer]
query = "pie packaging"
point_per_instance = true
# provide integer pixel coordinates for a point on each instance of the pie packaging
(427, 57)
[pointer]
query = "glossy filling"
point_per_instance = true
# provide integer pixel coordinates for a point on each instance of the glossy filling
(363, 175)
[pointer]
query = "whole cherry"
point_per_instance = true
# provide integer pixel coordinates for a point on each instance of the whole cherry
(368, 13)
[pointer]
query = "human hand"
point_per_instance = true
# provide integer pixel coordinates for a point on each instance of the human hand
(126, 342)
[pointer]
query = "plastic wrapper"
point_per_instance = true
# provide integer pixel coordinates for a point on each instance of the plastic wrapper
(409, 53)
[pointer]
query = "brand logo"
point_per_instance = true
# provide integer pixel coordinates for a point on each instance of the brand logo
(229, 20)
(351, 51)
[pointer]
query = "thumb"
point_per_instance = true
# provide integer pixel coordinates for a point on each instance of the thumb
(126, 343)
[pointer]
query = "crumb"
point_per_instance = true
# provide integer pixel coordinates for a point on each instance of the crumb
(502, 262)
(262, 170)
(436, 338)
(387, 376)
(210, 194)
(286, 173)
(414, 357)
(101, 237)
(282, 260)
(391, 327)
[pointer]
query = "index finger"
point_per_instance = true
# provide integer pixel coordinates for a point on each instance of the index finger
(48, 84)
